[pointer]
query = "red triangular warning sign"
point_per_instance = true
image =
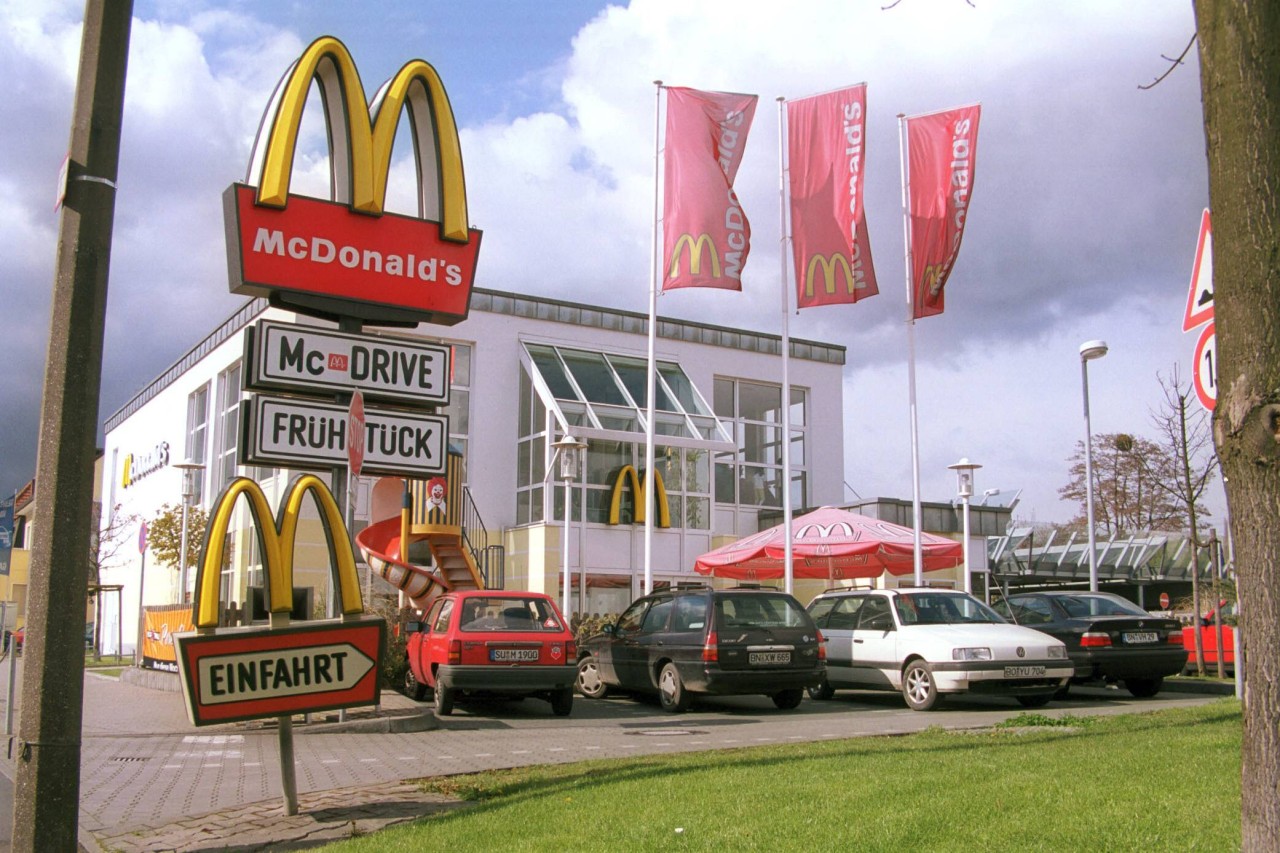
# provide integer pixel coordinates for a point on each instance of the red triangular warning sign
(1200, 296)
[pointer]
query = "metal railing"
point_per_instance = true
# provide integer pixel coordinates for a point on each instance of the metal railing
(491, 559)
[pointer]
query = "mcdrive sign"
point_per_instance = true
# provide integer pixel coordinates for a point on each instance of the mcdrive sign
(347, 257)
(296, 433)
(309, 360)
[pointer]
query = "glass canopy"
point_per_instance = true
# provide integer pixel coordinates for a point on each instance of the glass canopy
(596, 394)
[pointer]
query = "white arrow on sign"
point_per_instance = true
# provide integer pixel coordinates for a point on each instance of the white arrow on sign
(271, 674)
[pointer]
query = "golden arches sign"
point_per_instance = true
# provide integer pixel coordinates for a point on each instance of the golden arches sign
(829, 265)
(695, 247)
(360, 156)
(276, 537)
(628, 475)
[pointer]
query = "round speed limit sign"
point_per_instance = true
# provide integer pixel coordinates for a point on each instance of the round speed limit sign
(1206, 368)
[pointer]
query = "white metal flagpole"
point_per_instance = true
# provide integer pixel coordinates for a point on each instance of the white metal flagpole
(788, 570)
(911, 354)
(646, 498)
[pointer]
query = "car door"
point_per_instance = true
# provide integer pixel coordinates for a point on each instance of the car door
(874, 652)
(621, 655)
(435, 641)
(837, 626)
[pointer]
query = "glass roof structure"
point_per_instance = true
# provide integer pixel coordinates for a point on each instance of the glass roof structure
(601, 395)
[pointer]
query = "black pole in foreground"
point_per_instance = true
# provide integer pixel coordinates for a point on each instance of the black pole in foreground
(47, 751)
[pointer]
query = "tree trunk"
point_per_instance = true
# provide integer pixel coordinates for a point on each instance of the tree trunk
(1239, 70)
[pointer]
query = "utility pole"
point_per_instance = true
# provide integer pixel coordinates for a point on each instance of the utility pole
(47, 792)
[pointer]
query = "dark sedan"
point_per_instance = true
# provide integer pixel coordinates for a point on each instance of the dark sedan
(1109, 638)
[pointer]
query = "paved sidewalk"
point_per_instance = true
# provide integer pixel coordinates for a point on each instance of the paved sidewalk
(323, 817)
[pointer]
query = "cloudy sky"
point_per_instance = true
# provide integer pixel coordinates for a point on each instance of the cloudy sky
(1083, 221)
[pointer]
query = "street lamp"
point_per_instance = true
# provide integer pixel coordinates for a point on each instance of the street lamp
(1089, 350)
(188, 470)
(964, 487)
(567, 449)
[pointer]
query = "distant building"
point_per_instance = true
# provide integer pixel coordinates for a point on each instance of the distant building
(526, 371)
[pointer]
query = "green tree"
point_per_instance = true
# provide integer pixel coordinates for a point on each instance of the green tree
(1239, 69)
(164, 535)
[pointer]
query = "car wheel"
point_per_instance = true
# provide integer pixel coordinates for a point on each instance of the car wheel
(918, 687)
(589, 683)
(1143, 688)
(785, 700)
(414, 689)
(562, 702)
(444, 700)
(822, 691)
(1037, 701)
(671, 692)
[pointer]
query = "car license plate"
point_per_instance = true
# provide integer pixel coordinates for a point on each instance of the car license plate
(1023, 671)
(757, 658)
(1134, 637)
(513, 655)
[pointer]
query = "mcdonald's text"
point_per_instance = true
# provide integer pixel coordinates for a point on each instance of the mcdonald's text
(321, 249)
(303, 434)
(299, 358)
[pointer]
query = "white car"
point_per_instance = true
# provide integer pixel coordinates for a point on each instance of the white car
(931, 642)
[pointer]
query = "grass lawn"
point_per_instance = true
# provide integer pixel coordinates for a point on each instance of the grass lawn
(1160, 781)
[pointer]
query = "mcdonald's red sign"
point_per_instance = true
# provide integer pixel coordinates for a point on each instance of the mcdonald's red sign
(347, 256)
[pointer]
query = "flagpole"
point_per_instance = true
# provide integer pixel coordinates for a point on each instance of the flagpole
(788, 570)
(916, 547)
(646, 498)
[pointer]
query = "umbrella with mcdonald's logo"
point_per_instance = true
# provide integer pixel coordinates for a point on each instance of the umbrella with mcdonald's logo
(831, 543)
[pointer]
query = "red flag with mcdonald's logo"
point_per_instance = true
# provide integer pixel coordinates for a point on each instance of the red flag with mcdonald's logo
(706, 235)
(941, 153)
(826, 157)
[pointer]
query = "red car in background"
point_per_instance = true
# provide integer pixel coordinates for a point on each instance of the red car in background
(492, 642)
(1209, 645)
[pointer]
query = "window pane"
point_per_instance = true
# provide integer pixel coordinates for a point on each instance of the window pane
(681, 387)
(549, 366)
(523, 418)
(759, 402)
(697, 513)
(461, 365)
(594, 377)
(604, 460)
(725, 481)
(459, 412)
(697, 471)
(723, 394)
(632, 373)
(762, 444)
(524, 468)
(798, 406)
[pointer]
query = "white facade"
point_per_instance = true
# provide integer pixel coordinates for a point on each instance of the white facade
(191, 413)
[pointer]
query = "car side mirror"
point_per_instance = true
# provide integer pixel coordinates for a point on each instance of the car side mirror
(610, 628)
(412, 627)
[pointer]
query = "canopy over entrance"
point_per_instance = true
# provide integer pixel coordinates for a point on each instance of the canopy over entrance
(831, 543)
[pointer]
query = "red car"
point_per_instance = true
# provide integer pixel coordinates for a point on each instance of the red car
(492, 642)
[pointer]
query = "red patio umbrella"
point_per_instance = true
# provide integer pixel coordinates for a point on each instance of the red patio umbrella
(831, 543)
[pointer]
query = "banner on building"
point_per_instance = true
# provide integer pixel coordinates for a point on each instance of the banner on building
(160, 624)
(826, 153)
(706, 235)
(941, 152)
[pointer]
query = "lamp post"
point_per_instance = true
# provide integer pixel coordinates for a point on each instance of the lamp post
(1089, 350)
(567, 449)
(188, 470)
(964, 487)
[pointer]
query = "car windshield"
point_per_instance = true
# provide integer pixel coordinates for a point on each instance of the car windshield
(933, 608)
(493, 613)
(1086, 604)
(759, 610)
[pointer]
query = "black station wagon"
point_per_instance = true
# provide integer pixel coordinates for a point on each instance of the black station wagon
(685, 641)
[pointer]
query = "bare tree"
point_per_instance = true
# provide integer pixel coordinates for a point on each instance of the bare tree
(1130, 476)
(1184, 428)
(1239, 67)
